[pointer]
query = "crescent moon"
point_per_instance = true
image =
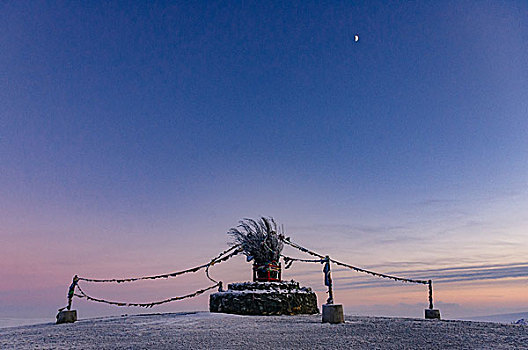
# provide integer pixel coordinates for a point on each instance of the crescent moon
(356, 38)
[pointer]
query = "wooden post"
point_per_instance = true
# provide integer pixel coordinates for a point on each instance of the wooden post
(328, 280)
(431, 313)
(332, 313)
(430, 284)
(68, 315)
(71, 291)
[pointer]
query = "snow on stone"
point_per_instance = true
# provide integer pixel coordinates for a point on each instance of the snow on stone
(522, 322)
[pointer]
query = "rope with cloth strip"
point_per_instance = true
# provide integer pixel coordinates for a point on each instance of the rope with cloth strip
(146, 305)
(234, 250)
(218, 260)
(288, 261)
(358, 269)
(167, 275)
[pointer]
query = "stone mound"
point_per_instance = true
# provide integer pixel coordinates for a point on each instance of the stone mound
(265, 298)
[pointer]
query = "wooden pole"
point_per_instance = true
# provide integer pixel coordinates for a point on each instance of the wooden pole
(332, 313)
(68, 315)
(71, 291)
(328, 281)
(430, 283)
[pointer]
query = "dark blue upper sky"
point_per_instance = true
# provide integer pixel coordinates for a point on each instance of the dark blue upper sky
(144, 92)
(162, 111)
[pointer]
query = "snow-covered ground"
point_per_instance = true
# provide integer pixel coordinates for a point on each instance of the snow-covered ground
(500, 318)
(13, 321)
(205, 330)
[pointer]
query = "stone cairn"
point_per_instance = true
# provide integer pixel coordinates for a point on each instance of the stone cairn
(261, 242)
(265, 298)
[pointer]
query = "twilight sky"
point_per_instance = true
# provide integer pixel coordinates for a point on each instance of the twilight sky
(133, 136)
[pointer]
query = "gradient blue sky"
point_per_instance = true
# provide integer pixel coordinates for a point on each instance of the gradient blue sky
(133, 136)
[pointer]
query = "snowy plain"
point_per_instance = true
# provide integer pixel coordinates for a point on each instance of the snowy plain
(203, 330)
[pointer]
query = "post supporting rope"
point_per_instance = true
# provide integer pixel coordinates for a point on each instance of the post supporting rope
(71, 293)
(328, 280)
(430, 285)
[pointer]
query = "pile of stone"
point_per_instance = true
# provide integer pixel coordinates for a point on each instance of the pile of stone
(265, 298)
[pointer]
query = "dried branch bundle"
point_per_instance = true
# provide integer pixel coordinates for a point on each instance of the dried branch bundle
(259, 239)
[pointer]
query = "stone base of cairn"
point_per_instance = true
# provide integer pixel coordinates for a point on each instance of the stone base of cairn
(265, 298)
